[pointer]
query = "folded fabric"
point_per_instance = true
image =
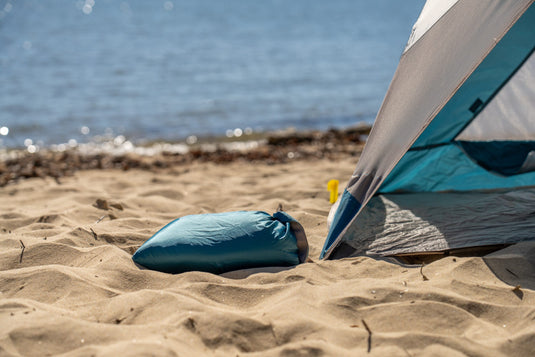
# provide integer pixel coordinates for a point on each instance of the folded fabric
(222, 242)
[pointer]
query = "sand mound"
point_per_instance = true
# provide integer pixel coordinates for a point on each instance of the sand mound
(74, 289)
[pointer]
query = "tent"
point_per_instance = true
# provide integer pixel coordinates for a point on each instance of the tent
(450, 160)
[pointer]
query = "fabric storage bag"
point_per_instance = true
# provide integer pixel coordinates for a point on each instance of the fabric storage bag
(222, 242)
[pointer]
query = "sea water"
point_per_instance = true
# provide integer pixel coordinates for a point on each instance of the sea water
(79, 71)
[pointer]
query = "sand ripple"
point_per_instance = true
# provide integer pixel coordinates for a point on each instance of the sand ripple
(76, 292)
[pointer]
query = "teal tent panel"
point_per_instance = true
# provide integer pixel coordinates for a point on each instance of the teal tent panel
(447, 168)
(493, 72)
(347, 210)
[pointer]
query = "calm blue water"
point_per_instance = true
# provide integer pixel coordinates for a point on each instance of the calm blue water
(169, 69)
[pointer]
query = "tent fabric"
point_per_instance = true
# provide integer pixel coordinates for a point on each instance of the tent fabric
(459, 63)
(440, 221)
(504, 158)
(431, 13)
(497, 68)
(510, 115)
(448, 168)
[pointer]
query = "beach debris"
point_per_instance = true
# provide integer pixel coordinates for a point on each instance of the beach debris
(271, 149)
(518, 292)
(279, 208)
(105, 205)
(513, 274)
(425, 278)
(111, 216)
(190, 324)
(44, 219)
(369, 334)
(94, 234)
(117, 205)
(101, 204)
(22, 246)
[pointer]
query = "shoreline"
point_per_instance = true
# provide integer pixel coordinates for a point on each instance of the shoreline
(270, 147)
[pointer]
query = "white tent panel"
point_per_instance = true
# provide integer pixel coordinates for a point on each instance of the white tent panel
(511, 113)
(431, 13)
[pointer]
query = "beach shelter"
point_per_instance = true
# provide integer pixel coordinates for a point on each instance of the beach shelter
(450, 160)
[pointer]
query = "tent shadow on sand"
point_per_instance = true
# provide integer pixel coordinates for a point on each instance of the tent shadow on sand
(514, 265)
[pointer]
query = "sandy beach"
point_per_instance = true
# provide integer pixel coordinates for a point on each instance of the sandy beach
(68, 285)
(120, 117)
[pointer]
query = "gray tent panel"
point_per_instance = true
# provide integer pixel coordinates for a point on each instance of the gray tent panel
(395, 224)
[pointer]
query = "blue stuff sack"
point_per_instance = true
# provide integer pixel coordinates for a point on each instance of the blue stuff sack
(222, 242)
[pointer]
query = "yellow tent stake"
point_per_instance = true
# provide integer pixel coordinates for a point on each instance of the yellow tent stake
(332, 186)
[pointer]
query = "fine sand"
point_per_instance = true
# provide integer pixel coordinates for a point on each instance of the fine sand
(74, 290)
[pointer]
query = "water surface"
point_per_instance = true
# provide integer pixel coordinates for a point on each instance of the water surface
(165, 70)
